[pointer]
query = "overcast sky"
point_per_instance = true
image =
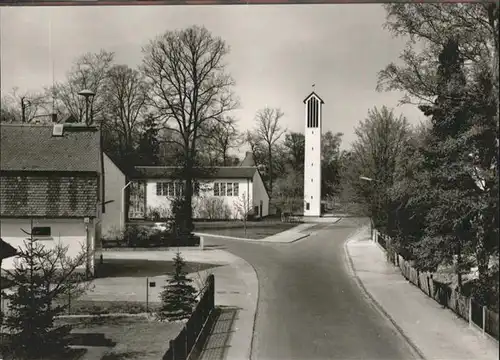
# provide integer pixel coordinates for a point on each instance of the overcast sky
(277, 52)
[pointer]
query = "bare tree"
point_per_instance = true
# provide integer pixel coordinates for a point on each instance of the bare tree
(225, 137)
(244, 208)
(90, 71)
(23, 106)
(381, 140)
(125, 94)
(190, 92)
(267, 133)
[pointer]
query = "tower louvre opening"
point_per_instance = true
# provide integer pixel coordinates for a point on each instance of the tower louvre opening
(312, 113)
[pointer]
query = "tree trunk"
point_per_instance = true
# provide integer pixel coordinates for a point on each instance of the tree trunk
(482, 259)
(458, 269)
(187, 207)
(270, 158)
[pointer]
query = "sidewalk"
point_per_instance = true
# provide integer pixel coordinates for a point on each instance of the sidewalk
(236, 291)
(436, 332)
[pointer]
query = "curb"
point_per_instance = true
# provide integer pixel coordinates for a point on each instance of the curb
(263, 241)
(249, 266)
(375, 303)
(256, 312)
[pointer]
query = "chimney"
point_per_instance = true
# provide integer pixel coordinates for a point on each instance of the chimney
(248, 160)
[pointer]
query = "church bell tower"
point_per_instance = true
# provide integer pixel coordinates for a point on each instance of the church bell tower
(312, 155)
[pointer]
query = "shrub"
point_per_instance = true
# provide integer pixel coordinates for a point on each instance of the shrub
(137, 235)
(214, 208)
(158, 213)
(114, 237)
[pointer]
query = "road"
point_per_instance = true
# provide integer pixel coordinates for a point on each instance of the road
(310, 306)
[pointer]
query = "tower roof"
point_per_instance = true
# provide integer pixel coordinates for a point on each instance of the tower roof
(315, 95)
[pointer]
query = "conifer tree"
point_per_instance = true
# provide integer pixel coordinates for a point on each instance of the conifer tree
(459, 187)
(178, 296)
(41, 276)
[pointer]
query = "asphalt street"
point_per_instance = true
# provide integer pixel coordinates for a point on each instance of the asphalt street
(310, 306)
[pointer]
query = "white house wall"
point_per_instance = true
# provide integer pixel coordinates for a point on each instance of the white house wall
(68, 232)
(154, 201)
(114, 181)
(260, 194)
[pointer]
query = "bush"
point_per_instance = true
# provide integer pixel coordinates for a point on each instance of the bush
(214, 208)
(158, 213)
(138, 236)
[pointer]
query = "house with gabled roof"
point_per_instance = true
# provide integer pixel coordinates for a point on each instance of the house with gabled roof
(223, 192)
(51, 181)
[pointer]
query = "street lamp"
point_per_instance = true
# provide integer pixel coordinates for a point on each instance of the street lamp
(365, 178)
(87, 94)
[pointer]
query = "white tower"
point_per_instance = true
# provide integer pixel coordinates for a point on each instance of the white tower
(312, 155)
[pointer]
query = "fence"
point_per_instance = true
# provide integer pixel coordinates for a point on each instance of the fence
(465, 307)
(185, 345)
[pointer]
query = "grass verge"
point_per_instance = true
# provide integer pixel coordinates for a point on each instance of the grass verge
(143, 268)
(254, 232)
(91, 307)
(129, 338)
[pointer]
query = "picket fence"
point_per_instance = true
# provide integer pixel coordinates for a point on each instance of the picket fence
(466, 307)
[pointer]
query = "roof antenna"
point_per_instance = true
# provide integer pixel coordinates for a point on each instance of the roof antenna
(313, 85)
(51, 59)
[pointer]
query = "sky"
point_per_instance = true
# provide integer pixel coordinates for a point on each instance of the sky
(277, 52)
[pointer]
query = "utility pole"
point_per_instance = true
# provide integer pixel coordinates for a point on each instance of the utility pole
(23, 109)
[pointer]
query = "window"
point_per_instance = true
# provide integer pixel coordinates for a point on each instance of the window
(161, 188)
(226, 189)
(170, 189)
(179, 188)
(307, 206)
(41, 233)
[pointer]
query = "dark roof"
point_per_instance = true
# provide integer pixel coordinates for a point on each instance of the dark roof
(33, 148)
(48, 196)
(6, 250)
(313, 94)
(223, 172)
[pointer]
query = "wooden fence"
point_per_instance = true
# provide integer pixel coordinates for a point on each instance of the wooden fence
(466, 307)
(187, 344)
